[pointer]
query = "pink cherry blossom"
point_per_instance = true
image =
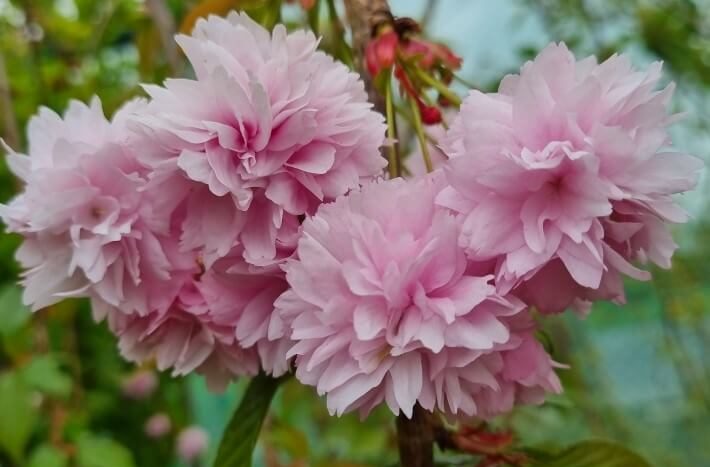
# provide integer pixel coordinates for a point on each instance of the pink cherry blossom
(566, 175)
(268, 130)
(216, 326)
(80, 212)
(385, 307)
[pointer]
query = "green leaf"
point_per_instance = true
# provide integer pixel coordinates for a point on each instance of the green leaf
(17, 416)
(13, 314)
(98, 451)
(44, 374)
(48, 456)
(593, 454)
(240, 436)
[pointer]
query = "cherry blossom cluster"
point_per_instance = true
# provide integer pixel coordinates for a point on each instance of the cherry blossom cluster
(240, 221)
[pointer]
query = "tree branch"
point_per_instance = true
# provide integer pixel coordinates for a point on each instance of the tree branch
(10, 132)
(415, 437)
(363, 17)
(164, 21)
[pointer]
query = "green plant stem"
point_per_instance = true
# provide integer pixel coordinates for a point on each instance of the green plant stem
(342, 49)
(313, 16)
(242, 432)
(421, 136)
(441, 88)
(395, 161)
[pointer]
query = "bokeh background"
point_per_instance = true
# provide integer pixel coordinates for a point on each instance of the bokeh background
(639, 374)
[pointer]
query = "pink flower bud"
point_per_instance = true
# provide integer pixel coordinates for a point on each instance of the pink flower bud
(157, 425)
(430, 114)
(381, 52)
(191, 443)
(140, 385)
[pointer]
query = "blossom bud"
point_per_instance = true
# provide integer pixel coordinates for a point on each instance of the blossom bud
(381, 52)
(191, 443)
(139, 385)
(157, 425)
(430, 114)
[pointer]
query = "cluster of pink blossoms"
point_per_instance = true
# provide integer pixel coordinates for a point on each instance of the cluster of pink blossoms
(239, 222)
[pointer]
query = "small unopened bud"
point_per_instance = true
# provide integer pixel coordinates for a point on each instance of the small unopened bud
(381, 52)
(430, 114)
(191, 443)
(157, 426)
(139, 385)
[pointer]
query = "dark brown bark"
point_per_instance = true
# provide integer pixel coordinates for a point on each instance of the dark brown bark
(364, 16)
(415, 437)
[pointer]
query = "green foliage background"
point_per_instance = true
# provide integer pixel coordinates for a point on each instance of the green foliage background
(639, 375)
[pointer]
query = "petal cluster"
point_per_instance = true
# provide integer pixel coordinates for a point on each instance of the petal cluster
(385, 307)
(174, 217)
(567, 175)
(80, 212)
(269, 129)
(94, 225)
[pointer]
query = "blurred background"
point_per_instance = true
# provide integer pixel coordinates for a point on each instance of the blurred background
(639, 376)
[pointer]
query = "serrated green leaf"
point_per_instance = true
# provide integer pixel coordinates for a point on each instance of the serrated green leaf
(13, 314)
(98, 451)
(48, 456)
(594, 454)
(240, 436)
(44, 374)
(17, 416)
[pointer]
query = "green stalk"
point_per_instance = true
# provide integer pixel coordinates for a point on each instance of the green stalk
(395, 162)
(242, 432)
(342, 49)
(442, 88)
(313, 16)
(421, 136)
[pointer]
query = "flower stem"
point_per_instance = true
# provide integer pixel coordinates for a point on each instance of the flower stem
(415, 438)
(395, 162)
(441, 88)
(421, 136)
(342, 49)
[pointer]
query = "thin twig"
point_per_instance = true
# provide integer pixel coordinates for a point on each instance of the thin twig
(395, 160)
(421, 135)
(428, 14)
(10, 132)
(164, 21)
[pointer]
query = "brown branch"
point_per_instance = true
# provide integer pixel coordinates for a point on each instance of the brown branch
(415, 437)
(164, 21)
(428, 14)
(9, 132)
(364, 16)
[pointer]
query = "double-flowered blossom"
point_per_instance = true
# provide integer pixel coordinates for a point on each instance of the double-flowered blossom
(566, 176)
(232, 223)
(385, 307)
(269, 129)
(216, 326)
(93, 227)
(81, 209)
(212, 321)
